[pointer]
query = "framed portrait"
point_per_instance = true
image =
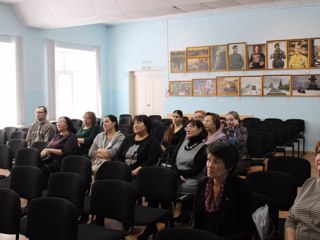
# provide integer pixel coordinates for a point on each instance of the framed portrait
(315, 52)
(204, 87)
(305, 85)
(251, 85)
(198, 52)
(178, 61)
(256, 56)
(277, 54)
(198, 64)
(218, 57)
(237, 57)
(276, 85)
(228, 86)
(298, 54)
(180, 88)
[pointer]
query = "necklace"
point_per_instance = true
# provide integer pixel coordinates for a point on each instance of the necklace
(187, 147)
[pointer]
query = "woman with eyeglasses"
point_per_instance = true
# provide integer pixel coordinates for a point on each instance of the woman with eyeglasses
(212, 124)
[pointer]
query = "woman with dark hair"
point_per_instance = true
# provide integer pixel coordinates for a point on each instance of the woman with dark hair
(223, 202)
(212, 124)
(87, 133)
(107, 143)
(174, 132)
(64, 143)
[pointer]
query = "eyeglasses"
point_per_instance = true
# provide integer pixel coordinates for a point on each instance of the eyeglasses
(39, 112)
(207, 121)
(189, 128)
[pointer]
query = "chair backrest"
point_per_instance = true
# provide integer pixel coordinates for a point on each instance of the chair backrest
(113, 199)
(17, 144)
(159, 131)
(298, 167)
(40, 145)
(280, 187)
(9, 211)
(77, 123)
(157, 183)
(6, 156)
(18, 134)
(113, 170)
(10, 130)
(26, 181)
(28, 157)
(80, 165)
(273, 122)
(69, 186)
(185, 234)
(3, 136)
(250, 122)
(52, 219)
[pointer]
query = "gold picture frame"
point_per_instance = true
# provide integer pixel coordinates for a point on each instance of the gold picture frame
(251, 86)
(305, 85)
(228, 86)
(180, 88)
(178, 61)
(204, 87)
(277, 85)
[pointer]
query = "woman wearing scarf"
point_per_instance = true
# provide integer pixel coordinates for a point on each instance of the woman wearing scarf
(212, 124)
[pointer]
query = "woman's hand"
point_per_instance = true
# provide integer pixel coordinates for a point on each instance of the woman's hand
(44, 152)
(182, 179)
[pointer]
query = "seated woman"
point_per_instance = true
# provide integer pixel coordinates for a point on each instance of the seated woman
(212, 124)
(174, 133)
(223, 202)
(303, 218)
(87, 133)
(238, 135)
(107, 143)
(64, 143)
(199, 115)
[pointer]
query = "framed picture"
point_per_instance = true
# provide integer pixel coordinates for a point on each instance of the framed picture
(228, 86)
(315, 52)
(198, 64)
(237, 59)
(305, 85)
(204, 87)
(178, 61)
(251, 86)
(277, 54)
(198, 52)
(180, 88)
(218, 58)
(298, 54)
(256, 56)
(276, 85)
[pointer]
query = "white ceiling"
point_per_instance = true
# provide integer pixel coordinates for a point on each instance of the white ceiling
(67, 13)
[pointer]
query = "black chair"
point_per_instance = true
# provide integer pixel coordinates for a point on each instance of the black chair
(52, 219)
(113, 170)
(256, 149)
(40, 145)
(9, 212)
(185, 234)
(114, 199)
(300, 168)
(17, 144)
(159, 131)
(250, 122)
(300, 129)
(6, 158)
(18, 135)
(28, 157)
(125, 120)
(3, 136)
(273, 122)
(155, 118)
(9, 131)
(77, 123)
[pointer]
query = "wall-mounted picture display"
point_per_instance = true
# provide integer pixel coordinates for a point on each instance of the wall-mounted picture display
(315, 52)
(277, 54)
(198, 64)
(178, 61)
(180, 88)
(204, 87)
(256, 56)
(228, 86)
(198, 51)
(251, 86)
(237, 59)
(305, 85)
(219, 57)
(276, 85)
(298, 54)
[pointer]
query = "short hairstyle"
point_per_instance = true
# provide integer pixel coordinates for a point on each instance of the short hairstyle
(113, 119)
(277, 44)
(200, 111)
(226, 152)
(235, 114)
(215, 118)
(92, 116)
(145, 119)
(198, 124)
(235, 46)
(45, 110)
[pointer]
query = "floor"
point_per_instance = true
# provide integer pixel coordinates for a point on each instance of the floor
(133, 236)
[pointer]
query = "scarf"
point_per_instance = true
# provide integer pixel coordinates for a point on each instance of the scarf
(212, 205)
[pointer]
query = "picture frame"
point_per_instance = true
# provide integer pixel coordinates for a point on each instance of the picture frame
(298, 54)
(256, 57)
(251, 86)
(200, 64)
(277, 85)
(219, 59)
(277, 54)
(237, 56)
(180, 88)
(227, 86)
(305, 85)
(204, 87)
(178, 61)
(197, 52)
(315, 52)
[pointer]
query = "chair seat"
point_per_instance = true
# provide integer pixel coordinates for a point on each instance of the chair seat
(91, 231)
(145, 215)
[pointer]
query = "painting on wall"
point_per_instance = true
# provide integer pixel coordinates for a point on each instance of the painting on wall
(198, 52)
(218, 58)
(315, 52)
(178, 61)
(180, 88)
(237, 57)
(251, 86)
(198, 64)
(228, 86)
(305, 85)
(276, 85)
(204, 87)
(256, 56)
(277, 54)
(298, 54)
